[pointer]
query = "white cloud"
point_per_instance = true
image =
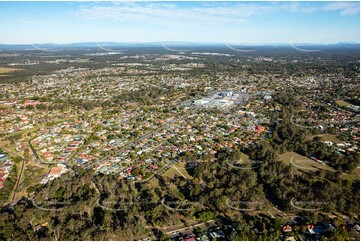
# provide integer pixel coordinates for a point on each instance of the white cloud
(303, 8)
(345, 8)
(207, 15)
(223, 12)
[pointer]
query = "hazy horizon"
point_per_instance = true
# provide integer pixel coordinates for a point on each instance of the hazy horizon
(180, 43)
(214, 22)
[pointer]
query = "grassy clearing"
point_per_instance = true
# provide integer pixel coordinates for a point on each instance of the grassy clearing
(154, 183)
(181, 169)
(32, 176)
(302, 163)
(327, 137)
(244, 157)
(3, 106)
(342, 103)
(355, 175)
(171, 173)
(4, 70)
(177, 170)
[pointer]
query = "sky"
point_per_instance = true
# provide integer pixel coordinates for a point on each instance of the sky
(223, 22)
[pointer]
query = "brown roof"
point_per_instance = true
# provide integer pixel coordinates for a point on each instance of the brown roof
(55, 170)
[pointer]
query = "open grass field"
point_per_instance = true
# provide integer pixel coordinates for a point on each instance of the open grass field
(244, 161)
(177, 169)
(3, 106)
(172, 172)
(244, 157)
(302, 163)
(327, 137)
(154, 183)
(342, 103)
(33, 176)
(5, 70)
(355, 175)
